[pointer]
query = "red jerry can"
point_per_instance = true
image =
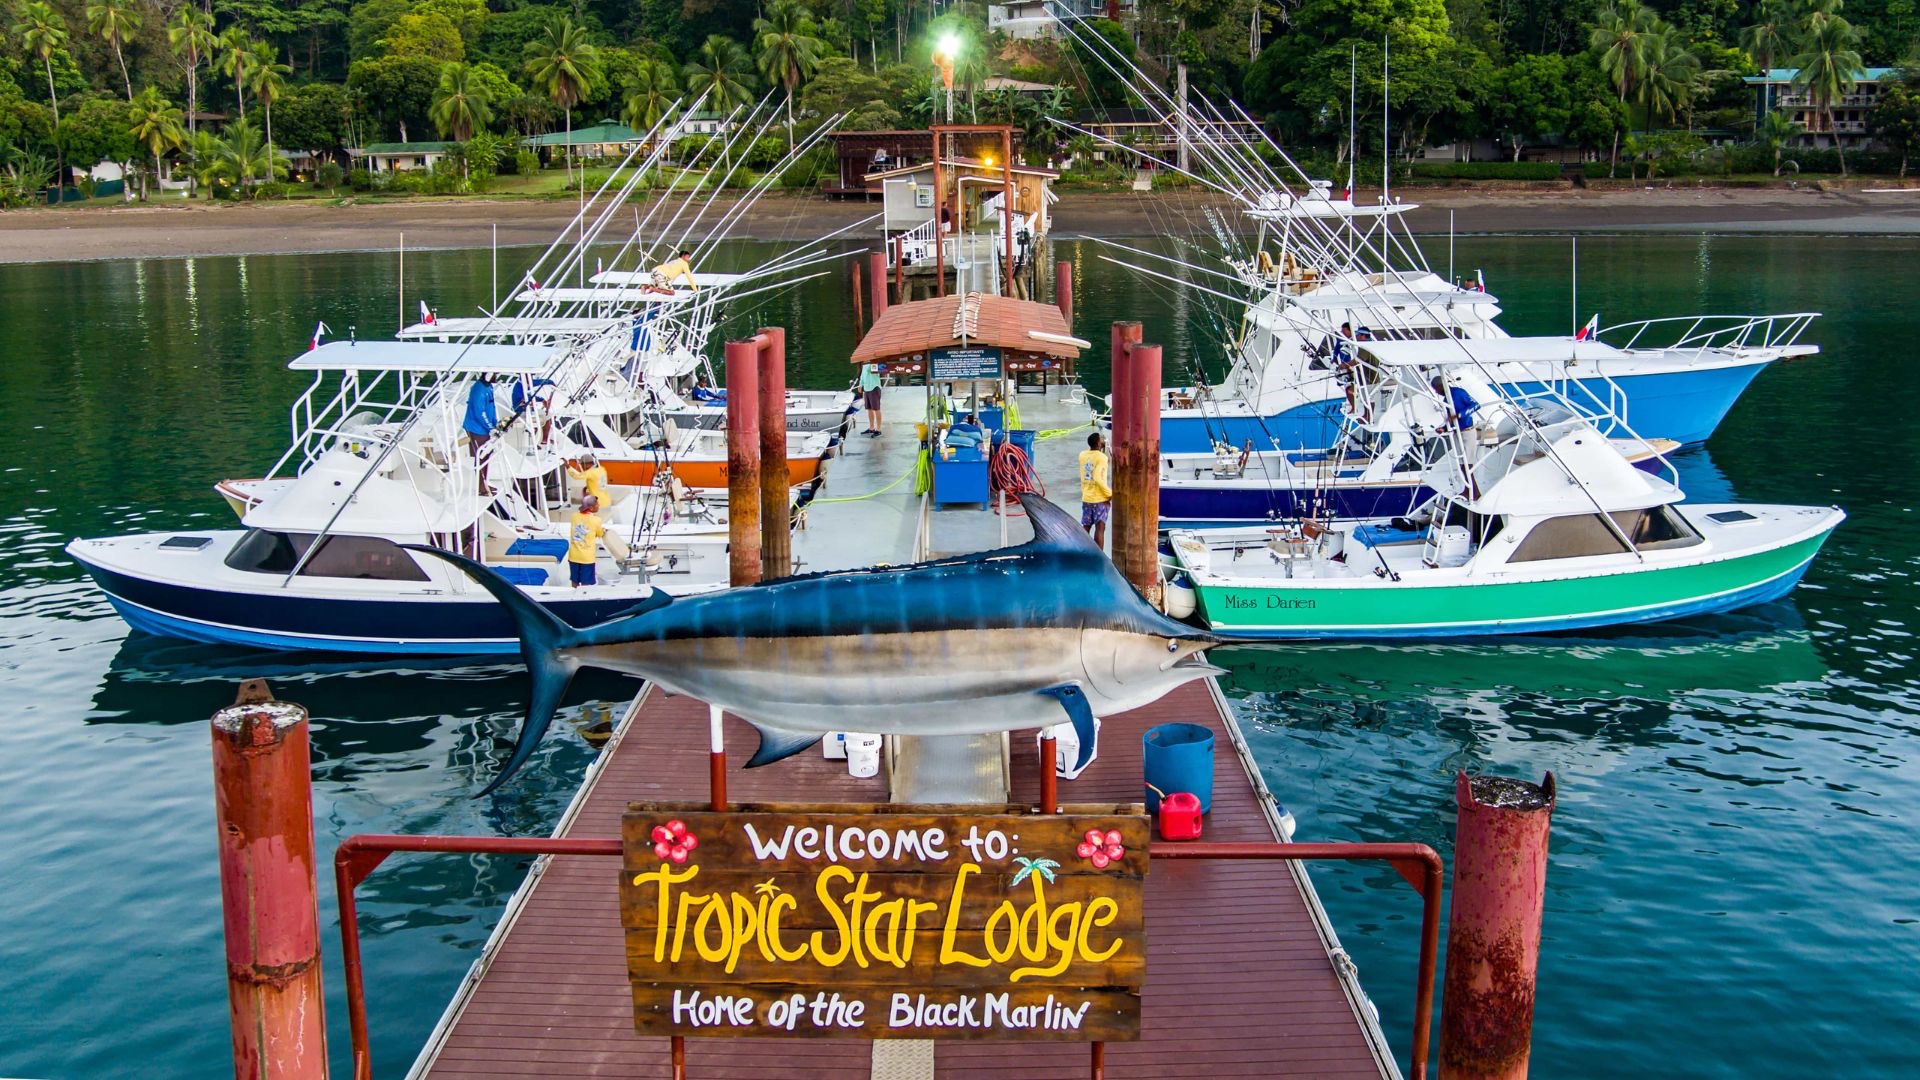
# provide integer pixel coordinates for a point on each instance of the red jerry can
(1180, 816)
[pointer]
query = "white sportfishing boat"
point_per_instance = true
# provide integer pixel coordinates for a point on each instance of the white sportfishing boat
(1533, 527)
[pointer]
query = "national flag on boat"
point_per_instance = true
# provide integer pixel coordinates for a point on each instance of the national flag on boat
(426, 314)
(319, 329)
(1587, 331)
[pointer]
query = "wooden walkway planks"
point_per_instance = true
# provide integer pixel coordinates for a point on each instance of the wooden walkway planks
(1239, 979)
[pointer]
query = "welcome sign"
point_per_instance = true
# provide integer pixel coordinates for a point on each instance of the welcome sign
(859, 922)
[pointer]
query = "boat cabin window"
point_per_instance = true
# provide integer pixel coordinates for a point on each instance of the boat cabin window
(367, 557)
(1656, 528)
(1572, 537)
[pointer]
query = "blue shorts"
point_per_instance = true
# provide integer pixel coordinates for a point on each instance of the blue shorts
(1092, 514)
(580, 573)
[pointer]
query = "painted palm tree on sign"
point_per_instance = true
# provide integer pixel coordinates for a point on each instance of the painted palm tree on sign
(563, 64)
(787, 49)
(1623, 36)
(42, 31)
(111, 21)
(722, 72)
(650, 93)
(154, 123)
(190, 34)
(1829, 63)
(268, 81)
(460, 103)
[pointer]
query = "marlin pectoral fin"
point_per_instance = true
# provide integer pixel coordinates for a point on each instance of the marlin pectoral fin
(1074, 701)
(775, 745)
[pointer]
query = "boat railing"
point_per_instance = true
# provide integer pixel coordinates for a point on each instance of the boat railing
(1700, 332)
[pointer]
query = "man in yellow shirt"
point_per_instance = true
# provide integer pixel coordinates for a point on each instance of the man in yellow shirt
(584, 532)
(592, 476)
(675, 270)
(1096, 488)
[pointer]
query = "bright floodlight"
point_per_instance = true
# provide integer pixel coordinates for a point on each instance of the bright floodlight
(949, 47)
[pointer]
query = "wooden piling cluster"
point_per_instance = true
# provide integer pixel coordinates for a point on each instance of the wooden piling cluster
(1136, 459)
(759, 532)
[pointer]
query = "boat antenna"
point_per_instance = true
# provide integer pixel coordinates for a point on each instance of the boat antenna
(1353, 115)
(1386, 124)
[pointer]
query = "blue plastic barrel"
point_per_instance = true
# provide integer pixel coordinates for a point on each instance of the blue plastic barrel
(990, 417)
(1179, 757)
(1022, 438)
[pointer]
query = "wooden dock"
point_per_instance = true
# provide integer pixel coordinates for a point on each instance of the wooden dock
(1242, 971)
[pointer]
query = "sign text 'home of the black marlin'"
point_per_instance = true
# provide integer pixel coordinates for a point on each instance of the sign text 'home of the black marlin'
(863, 922)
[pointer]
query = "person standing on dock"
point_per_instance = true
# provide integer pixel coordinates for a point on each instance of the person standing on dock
(1096, 488)
(870, 393)
(481, 420)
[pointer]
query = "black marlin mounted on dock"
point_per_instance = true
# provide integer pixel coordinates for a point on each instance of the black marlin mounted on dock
(994, 641)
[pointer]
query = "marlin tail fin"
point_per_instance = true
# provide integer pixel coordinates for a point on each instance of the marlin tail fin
(776, 745)
(543, 636)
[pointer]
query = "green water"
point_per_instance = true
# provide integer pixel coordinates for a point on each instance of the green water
(1731, 888)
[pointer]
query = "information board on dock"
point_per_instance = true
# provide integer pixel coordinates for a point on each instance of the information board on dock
(966, 362)
(885, 923)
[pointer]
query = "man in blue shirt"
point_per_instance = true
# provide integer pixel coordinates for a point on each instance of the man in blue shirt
(1460, 404)
(479, 423)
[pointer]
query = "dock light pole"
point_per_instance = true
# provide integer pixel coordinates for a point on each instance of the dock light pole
(743, 462)
(263, 804)
(1493, 936)
(776, 517)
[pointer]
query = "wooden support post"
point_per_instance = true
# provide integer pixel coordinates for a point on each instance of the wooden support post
(899, 271)
(859, 300)
(743, 462)
(1099, 1061)
(1125, 336)
(877, 281)
(1006, 200)
(1493, 935)
(1049, 777)
(263, 804)
(1136, 471)
(776, 523)
(1063, 289)
(716, 759)
(939, 231)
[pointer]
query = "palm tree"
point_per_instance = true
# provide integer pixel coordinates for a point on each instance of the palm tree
(203, 157)
(112, 21)
(563, 63)
(721, 72)
(1774, 131)
(242, 153)
(1770, 34)
(155, 124)
(650, 93)
(236, 61)
(268, 80)
(42, 31)
(1829, 63)
(1622, 33)
(1667, 82)
(191, 36)
(786, 49)
(460, 105)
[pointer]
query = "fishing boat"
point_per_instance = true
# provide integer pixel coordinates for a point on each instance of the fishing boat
(1532, 527)
(697, 457)
(321, 565)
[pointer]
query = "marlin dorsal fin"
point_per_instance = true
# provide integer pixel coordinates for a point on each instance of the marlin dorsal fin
(1053, 528)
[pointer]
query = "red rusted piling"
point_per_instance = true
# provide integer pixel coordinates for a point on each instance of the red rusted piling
(1136, 471)
(1063, 289)
(1493, 935)
(877, 281)
(263, 803)
(743, 462)
(776, 527)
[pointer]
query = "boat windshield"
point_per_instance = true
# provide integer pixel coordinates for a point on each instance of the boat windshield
(370, 557)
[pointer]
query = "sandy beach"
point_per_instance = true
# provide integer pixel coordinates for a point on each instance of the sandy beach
(60, 235)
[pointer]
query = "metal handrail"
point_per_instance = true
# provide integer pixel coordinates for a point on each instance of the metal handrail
(359, 855)
(1720, 331)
